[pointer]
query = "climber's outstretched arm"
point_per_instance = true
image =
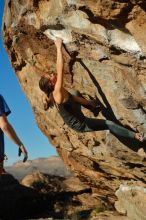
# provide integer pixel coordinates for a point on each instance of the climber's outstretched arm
(89, 104)
(58, 89)
(81, 100)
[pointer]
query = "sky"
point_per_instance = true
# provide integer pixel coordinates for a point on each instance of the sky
(21, 118)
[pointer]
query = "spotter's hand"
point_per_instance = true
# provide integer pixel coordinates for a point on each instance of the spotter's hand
(23, 151)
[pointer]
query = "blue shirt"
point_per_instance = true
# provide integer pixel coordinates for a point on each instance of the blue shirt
(4, 109)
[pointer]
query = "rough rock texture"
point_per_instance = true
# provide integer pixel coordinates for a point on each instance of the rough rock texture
(131, 202)
(67, 195)
(71, 199)
(105, 56)
(42, 195)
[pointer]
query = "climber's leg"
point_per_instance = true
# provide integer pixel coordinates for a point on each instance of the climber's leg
(93, 124)
(99, 124)
(119, 130)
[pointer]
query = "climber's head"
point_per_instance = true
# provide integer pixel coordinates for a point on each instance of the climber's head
(47, 83)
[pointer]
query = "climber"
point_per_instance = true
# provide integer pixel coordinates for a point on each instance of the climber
(69, 105)
(7, 129)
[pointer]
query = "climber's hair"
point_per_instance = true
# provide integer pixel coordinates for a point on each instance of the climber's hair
(47, 88)
(45, 85)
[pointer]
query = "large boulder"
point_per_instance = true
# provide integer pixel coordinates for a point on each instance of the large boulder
(131, 201)
(105, 56)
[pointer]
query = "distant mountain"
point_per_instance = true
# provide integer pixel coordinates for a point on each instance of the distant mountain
(52, 165)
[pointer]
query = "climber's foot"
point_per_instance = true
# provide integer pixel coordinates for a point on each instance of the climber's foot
(139, 136)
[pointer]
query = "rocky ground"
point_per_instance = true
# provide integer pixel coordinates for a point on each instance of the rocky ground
(41, 193)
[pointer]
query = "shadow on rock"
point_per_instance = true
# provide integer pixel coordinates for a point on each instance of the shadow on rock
(17, 201)
(43, 196)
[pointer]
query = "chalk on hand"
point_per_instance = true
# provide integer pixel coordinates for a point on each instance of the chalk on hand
(65, 35)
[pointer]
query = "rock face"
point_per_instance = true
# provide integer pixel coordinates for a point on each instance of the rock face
(131, 201)
(105, 56)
